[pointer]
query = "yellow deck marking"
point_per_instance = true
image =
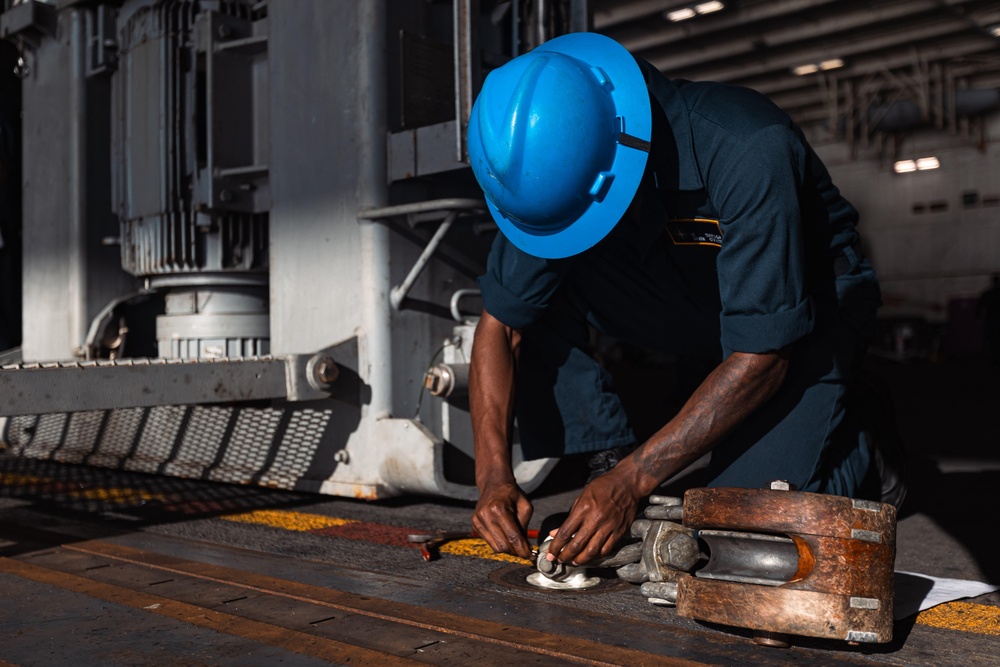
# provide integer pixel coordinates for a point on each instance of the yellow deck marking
(287, 520)
(477, 548)
(123, 495)
(966, 616)
(13, 479)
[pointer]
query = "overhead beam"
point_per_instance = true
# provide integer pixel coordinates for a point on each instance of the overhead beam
(768, 64)
(950, 50)
(643, 37)
(811, 29)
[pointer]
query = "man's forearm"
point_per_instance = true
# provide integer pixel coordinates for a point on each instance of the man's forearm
(491, 398)
(503, 511)
(734, 390)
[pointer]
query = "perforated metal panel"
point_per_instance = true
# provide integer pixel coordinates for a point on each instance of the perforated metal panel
(84, 429)
(254, 430)
(121, 430)
(162, 426)
(272, 446)
(294, 455)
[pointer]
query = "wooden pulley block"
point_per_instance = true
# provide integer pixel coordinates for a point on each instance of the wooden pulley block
(841, 585)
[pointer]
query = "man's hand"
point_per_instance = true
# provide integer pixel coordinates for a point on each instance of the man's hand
(606, 508)
(603, 513)
(501, 518)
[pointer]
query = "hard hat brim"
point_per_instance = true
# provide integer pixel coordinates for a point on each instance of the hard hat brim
(631, 102)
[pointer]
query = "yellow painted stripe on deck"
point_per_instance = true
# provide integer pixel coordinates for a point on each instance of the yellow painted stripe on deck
(477, 548)
(966, 616)
(120, 495)
(287, 520)
(14, 479)
(302, 521)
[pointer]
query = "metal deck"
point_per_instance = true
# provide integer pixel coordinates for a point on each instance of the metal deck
(113, 568)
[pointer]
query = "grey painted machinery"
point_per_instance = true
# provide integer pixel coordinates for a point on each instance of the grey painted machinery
(249, 231)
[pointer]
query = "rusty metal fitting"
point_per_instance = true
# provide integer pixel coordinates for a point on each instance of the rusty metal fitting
(446, 380)
(322, 371)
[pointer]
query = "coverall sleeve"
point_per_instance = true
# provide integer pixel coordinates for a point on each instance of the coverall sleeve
(517, 287)
(762, 265)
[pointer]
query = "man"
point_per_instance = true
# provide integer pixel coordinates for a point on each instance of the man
(687, 217)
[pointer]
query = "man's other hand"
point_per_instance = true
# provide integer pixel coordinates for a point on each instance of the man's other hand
(603, 513)
(501, 518)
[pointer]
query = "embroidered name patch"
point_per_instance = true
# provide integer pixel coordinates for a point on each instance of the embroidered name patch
(695, 231)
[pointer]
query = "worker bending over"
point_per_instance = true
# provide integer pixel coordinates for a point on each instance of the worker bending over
(692, 218)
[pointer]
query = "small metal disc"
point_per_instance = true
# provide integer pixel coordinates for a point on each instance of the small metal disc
(516, 576)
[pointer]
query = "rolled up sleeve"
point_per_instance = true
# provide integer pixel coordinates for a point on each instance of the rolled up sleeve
(517, 287)
(762, 265)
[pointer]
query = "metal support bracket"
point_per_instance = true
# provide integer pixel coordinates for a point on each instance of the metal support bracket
(42, 388)
(449, 209)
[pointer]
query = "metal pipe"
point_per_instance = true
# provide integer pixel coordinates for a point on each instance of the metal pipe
(376, 317)
(422, 207)
(77, 187)
(456, 299)
(399, 293)
(465, 70)
(446, 380)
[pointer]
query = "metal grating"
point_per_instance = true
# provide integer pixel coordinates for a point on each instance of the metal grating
(163, 424)
(200, 443)
(84, 428)
(257, 428)
(121, 428)
(271, 446)
(35, 431)
(295, 453)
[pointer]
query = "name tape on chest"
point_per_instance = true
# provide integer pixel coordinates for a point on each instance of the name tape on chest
(695, 231)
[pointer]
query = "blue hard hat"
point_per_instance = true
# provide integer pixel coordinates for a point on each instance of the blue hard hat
(558, 140)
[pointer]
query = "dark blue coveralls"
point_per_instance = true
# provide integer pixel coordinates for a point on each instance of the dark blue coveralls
(743, 245)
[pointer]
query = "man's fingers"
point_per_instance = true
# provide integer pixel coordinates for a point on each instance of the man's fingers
(512, 540)
(496, 541)
(519, 545)
(583, 547)
(563, 535)
(502, 530)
